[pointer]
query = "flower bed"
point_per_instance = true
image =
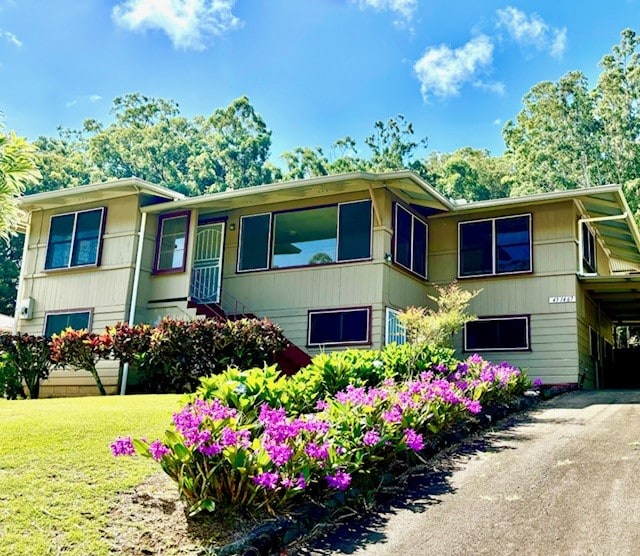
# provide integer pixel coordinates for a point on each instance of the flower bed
(247, 441)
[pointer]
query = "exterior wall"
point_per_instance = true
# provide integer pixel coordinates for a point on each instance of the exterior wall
(286, 295)
(553, 353)
(104, 290)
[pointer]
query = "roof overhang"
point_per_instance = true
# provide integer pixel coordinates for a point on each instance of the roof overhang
(405, 184)
(615, 224)
(618, 296)
(97, 192)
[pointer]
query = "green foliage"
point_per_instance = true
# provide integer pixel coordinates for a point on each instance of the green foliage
(470, 174)
(10, 257)
(24, 359)
(17, 170)
(568, 135)
(243, 444)
(181, 352)
(81, 349)
(436, 328)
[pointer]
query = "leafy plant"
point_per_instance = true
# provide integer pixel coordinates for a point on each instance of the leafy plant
(243, 442)
(436, 328)
(24, 359)
(81, 349)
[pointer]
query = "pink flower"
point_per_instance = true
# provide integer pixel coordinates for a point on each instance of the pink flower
(371, 438)
(158, 450)
(122, 446)
(340, 480)
(413, 440)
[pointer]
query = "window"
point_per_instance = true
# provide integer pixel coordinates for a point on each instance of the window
(497, 334)
(495, 246)
(394, 329)
(410, 235)
(342, 326)
(171, 243)
(306, 237)
(588, 249)
(54, 323)
(74, 239)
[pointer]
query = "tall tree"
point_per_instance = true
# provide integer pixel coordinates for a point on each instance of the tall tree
(555, 140)
(470, 174)
(232, 150)
(617, 108)
(392, 144)
(147, 139)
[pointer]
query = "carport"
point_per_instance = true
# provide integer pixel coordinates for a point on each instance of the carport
(619, 298)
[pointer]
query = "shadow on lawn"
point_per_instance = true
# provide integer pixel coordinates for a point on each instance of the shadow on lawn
(423, 487)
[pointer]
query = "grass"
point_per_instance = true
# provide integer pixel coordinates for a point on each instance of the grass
(57, 476)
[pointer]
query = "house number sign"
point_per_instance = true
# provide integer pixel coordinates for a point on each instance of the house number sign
(563, 299)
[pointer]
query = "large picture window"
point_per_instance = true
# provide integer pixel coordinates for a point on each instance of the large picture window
(497, 334)
(341, 326)
(171, 244)
(314, 236)
(495, 246)
(54, 323)
(75, 239)
(410, 235)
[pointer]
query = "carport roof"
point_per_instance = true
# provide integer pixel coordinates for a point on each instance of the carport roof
(618, 296)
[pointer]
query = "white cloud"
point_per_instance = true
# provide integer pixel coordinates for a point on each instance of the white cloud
(188, 23)
(496, 87)
(403, 8)
(532, 30)
(497, 121)
(10, 38)
(83, 99)
(443, 70)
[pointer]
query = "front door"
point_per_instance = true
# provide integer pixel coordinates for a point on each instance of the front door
(207, 263)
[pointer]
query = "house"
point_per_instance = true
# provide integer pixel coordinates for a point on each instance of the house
(332, 259)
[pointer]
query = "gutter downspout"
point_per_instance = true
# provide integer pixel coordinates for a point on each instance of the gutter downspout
(134, 295)
(581, 221)
(23, 271)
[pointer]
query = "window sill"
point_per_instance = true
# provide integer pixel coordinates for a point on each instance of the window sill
(497, 275)
(305, 266)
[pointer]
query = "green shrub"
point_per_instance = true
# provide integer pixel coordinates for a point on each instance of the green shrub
(24, 359)
(181, 352)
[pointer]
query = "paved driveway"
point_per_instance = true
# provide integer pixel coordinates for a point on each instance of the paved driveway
(561, 479)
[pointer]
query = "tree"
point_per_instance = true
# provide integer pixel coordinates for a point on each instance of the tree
(10, 257)
(64, 161)
(148, 139)
(616, 108)
(17, 170)
(231, 150)
(392, 145)
(470, 174)
(555, 141)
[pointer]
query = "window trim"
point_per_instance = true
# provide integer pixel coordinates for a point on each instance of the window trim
(588, 238)
(414, 217)
(156, 259)
(494, 263)
(271, 244)
(312, 312)
(102, 226)
(269, 247)
(526, 318)
(88, 310)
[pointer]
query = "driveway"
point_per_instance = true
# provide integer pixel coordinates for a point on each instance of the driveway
(561, 479)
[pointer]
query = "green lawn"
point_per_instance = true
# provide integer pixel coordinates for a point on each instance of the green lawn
(57, 476)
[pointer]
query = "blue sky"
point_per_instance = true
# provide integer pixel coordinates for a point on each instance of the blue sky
(316, 70)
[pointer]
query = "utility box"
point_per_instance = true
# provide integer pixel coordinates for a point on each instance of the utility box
(25, 311)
